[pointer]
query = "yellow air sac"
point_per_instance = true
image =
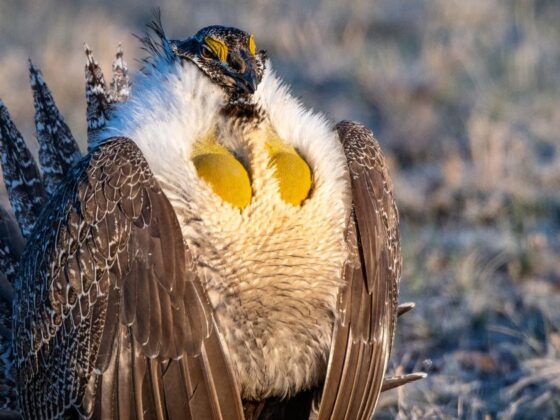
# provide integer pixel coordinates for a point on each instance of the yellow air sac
(292, 172)
(225, 174)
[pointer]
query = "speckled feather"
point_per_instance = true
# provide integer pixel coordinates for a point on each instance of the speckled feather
(97, 96)
(11, 244)
(21, 174)
(105, 333)
(367, 312)
(120, 84)
(58, 150)
(107, 296)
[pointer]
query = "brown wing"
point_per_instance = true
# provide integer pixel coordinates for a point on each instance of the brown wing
(111, 322)
(363, 334)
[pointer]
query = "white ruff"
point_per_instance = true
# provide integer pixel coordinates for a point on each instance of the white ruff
(272, 271)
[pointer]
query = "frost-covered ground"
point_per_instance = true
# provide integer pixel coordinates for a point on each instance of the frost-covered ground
(464, 97)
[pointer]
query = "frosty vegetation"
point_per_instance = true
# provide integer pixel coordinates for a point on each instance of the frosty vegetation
(463, 96)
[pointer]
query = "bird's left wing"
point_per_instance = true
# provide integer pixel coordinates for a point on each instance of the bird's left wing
(363, 333)
(111, 320)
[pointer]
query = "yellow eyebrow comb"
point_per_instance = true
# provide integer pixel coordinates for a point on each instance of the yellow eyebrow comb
(218, 47)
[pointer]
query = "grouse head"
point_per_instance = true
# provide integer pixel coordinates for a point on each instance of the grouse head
(228, 56)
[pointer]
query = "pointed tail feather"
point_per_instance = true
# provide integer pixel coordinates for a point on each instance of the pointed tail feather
(98, 103)
(21, 174)
(396, 381)
(120, 85)
(58, 149)
(403, 308)
(11, 245)
(8, 403)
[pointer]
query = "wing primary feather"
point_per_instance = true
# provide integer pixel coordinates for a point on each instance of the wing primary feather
(104, 241)
(209, 379)
(364, 330)
(138, 375)
(176, 391)
(227, 392)
(125, 377)
(157, 388)
(337, 357)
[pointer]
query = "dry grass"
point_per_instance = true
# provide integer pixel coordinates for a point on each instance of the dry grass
(464, 98)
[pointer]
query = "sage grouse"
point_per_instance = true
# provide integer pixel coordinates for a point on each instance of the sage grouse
(220, 253)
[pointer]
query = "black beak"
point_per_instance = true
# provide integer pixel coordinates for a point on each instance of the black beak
(246, 82)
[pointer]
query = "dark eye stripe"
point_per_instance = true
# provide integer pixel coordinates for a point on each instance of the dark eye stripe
(207, 52)
(237, 63)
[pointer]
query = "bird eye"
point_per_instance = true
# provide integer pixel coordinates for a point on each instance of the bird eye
(237, 64)
(207, 53)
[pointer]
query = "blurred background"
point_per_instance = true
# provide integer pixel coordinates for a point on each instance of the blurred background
(464, 98)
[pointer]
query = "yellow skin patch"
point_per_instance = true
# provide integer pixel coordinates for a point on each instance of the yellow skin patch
(223, 172)
(230, 181)
(292, 172)
(219, 48)
(252, 45)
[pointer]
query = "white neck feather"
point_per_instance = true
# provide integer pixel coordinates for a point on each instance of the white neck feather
(269, 245)
(175, 105)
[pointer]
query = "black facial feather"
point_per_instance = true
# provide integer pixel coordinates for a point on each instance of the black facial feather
(231, 64)
(224, 54)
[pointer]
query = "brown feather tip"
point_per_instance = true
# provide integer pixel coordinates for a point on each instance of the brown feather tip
(403, 308)
(396, 381)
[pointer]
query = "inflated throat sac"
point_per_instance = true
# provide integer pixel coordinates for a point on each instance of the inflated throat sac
(292, 172)
(227, 177)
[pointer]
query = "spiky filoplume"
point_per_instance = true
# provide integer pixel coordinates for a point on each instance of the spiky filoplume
(98, 104)
(21, 174)
(155, 44)
(58, 149)
(120, 85)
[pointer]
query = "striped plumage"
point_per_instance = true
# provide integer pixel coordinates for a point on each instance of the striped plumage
(11, 244)
(120, 84)
(145, 296)
(97, 97)
(21, 175)
(58, 151)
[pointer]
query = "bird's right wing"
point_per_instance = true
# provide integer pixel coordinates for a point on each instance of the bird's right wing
(110, 319)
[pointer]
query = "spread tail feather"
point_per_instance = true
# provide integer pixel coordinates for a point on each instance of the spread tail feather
(120, 85)
(21, 174)
(11, 244)
(97, 97)
(100, 99)
(58, 149)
